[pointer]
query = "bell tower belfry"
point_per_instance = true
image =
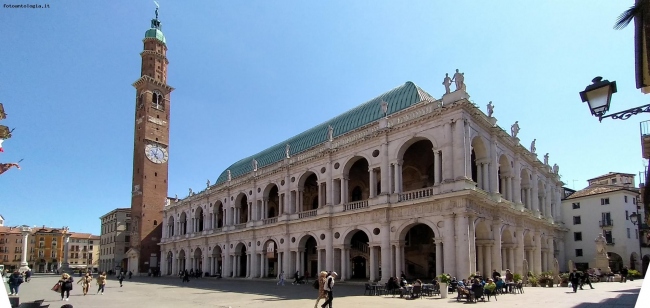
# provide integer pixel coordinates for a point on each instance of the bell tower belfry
(150, 152)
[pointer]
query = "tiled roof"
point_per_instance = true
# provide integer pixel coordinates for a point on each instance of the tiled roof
(398, 99)
(599, 189)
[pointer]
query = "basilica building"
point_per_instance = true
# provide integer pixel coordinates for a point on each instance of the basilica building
(404, 182)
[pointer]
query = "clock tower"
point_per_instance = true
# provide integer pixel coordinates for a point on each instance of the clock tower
(150, 152)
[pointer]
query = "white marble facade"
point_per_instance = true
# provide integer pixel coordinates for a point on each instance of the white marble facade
(425, 190)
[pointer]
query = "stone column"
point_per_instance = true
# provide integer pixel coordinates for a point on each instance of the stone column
(320, 258)
(398, 259)
(479, 175)
(519, 253)
(398, 176)
(373, 183)
(480, 259)
(329, 251)
(437, 167)
(345, 253)
(538, 252)
(496, 249)
(461, 151)
(25, 231)
(449, 248)
(391, 178)
(344, 189)
(65, 267)
(385, 253)
(486, 176)
(511, 259)
(439, 256)
(329, 186)
(384, 175)
(517, 180)
(464, 263)
(494, 166)
(535, 194)
(488, 261)
(373, 262)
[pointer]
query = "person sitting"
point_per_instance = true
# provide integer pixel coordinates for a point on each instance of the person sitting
(476, 289)
(392, 285)
(490, 287)
(501, 285)
(509, 276)
(417, 283)
(496, 275)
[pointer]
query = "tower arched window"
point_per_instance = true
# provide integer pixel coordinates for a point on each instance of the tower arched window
(158, 100)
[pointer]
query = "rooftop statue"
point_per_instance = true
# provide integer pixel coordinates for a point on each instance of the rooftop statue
(459, 79)
(532, 146)
(514, 129)
(546, 159)
(447, 83)
(490, 109)
(286, 150)
(330, 133)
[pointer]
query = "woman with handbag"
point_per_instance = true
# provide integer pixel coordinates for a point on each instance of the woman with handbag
(101, 282)
(65, 286)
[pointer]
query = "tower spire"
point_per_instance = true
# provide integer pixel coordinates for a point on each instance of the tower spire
(155, 23)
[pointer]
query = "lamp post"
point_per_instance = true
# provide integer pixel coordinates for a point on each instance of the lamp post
(636, 219)
(599, 96)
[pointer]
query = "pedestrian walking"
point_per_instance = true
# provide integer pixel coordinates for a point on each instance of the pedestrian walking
(120, 278)
(585, 280)
(28, 275)
(322, 294)
(130, 274)
(14, 281)
(186, 276)
(85, 283)
(65, 286)
(101, 282)
(281, 278)
(574, 278)
(329, 286)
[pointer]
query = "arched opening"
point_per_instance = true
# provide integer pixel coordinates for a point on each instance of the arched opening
(217, 261)
(170, 262)
(273, 202)
(241, 258)
(479, 164)
(526, 189)
(309, 263)
(181, 261)
(359, 177)
(270, 268)
(183, 223)
(505, 173)
(219, 215)
(418, 170)
(198, 220)
(309, 192)
(198, 261)
(615, 262)
(242, 209)
(420, 252)
(359, 255)
(170, 226)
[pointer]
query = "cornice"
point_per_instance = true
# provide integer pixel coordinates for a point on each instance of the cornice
(148, 79)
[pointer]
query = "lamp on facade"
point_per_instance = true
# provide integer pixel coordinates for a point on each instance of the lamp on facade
(599, 96)
(635, 219)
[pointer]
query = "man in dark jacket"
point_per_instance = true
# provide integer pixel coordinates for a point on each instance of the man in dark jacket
(574, 278)
(624, 274)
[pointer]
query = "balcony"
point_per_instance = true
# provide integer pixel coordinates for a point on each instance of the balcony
(606, 223)
(645, 138)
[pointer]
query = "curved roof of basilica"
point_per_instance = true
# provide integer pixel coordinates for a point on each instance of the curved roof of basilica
(398, 99)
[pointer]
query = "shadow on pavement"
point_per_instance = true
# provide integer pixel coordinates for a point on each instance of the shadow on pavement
(626, 298)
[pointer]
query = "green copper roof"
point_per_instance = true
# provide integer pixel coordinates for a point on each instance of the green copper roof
(399, 98)
(155, 33)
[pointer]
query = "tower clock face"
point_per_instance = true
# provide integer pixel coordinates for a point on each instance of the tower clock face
(156, 154)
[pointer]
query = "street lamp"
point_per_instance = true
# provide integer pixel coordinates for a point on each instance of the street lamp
(635, 219)
(599, 96)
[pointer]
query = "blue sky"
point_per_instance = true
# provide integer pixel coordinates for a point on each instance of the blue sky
(250, 74)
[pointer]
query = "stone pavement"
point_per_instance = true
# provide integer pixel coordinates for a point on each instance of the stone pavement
(209, 292)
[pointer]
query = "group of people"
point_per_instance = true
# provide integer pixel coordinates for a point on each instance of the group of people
(64, 285)
(15, 279)
(185, 274)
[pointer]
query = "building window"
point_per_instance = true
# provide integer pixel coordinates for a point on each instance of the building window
(576, 205)
(633, 200)
(576, 220)
(625, 198)
(613, 181)
(627, 215)
(577, 236)
(628, 232)
(604, 201)
(578, 252)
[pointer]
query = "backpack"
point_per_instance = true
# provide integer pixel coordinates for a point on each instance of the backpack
(316, 285)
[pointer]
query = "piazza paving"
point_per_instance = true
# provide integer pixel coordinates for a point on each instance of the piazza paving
(210, 292)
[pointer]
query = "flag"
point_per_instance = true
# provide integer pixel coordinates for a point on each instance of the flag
(7, 166)
(1, 140)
